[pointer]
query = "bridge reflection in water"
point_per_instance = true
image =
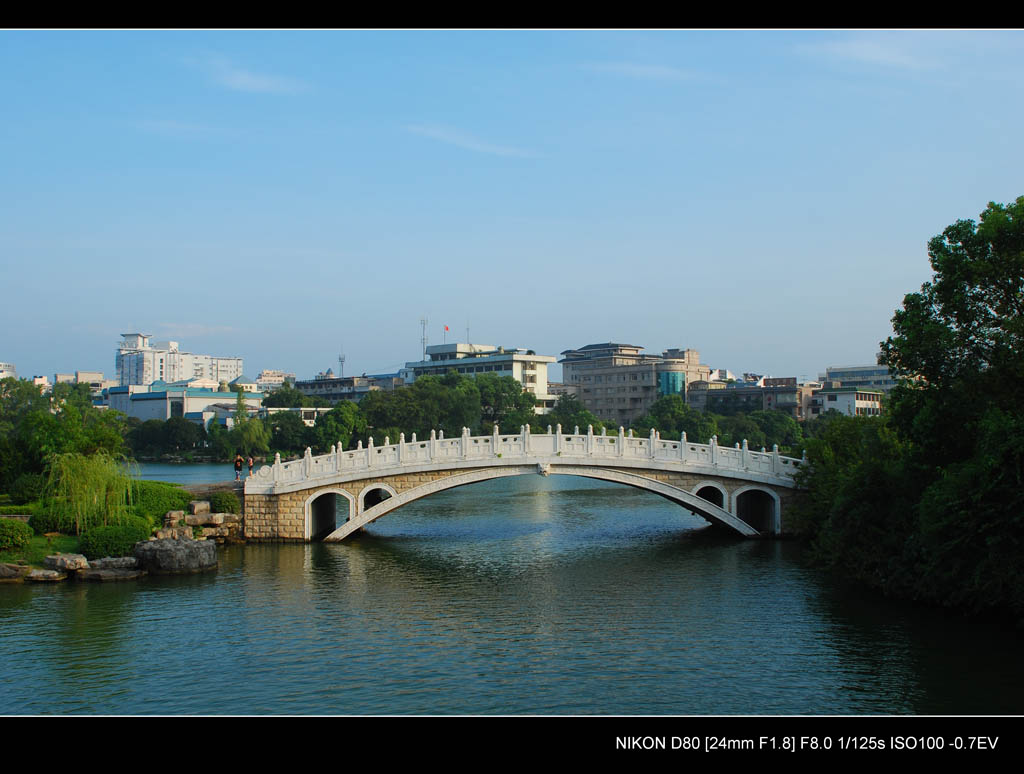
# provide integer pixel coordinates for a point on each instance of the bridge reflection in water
(332, 495)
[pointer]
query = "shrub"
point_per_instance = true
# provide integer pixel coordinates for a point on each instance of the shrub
(14, 534)
(27, 487)
(114, 541)
(152, 499)
(44, 520)
(225, 502)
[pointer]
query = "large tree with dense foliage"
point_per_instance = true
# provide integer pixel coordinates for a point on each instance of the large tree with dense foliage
(504, 402)
(947, 493)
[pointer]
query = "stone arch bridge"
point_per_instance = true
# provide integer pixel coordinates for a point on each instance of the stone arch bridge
(306, 499)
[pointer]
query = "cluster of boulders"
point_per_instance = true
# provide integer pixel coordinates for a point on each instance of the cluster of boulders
(168, 556)
(220, 527)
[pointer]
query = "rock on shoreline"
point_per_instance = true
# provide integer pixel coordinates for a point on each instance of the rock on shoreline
(171, 556)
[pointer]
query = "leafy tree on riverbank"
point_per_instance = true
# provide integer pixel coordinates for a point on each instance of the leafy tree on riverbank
(937, 491)
(35, 427)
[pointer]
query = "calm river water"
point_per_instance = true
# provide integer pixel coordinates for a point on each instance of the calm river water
(526, 595)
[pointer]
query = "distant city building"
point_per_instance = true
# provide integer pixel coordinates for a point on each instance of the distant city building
(268, 381)
(722, 375)
(850, 401)
(95, 381)
(523, 365)
(775, 394)
(619, 384)
(42, 382)
(198, 400)
(140, 361)
(307, 415)
(8, 371)
(872, 377)
(64, 379)
(245, 384)
(352, 388)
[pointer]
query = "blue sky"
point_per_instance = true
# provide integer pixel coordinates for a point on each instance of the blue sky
(763, 197)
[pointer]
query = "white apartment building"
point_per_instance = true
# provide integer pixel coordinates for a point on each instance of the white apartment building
(851, 401)
(7, 370)
(141, 361)
(525, 366)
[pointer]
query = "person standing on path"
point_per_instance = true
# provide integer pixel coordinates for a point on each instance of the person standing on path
(238, 467)
(250, 465)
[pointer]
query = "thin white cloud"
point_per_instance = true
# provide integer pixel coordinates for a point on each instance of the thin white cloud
(465, 140)
(231, 76)
(645, 71)
(887, 50)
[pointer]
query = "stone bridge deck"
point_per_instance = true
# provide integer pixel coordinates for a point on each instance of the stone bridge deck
(282, 499)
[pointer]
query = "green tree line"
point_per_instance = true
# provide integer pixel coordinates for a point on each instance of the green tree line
(927, 503)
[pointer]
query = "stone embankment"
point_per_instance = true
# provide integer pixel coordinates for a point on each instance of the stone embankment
(200, 522)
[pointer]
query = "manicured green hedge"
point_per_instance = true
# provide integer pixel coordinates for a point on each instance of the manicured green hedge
(225, 502)
(152, 499)
(20, 510)
(14, 534)
(114, 541)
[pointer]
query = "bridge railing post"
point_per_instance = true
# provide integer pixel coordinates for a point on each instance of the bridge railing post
(432, 447)
(652, 443)
(622, 441)
(745, 456)
(494, 442)
(590, 440)
(775, 458)
(401, 446)
(277, 467)
(369, 452)
(558, 439)
(525, 431)
(464, 442)
(682, 446)
(713, 443)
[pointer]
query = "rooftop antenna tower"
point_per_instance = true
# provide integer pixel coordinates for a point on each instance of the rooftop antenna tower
(341, 363)
(423, 336)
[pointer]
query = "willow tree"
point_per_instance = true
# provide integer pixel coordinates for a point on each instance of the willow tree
(86, 491)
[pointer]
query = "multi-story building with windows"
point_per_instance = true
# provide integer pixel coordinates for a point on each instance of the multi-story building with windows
(352, 388)
(141, 361)
(524, 365)
(620, 384)
(871, 377)
(197, 400)
(8, 371)
(852, 401)
(268, 380)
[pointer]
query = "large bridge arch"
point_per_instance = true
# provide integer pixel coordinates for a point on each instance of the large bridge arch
(312, 513)
(765, 511)
(686, 499)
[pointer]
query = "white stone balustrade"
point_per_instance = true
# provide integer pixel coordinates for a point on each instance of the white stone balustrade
(524, 447)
